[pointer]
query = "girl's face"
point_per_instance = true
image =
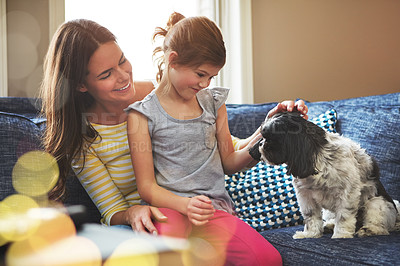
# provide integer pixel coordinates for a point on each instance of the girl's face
(109, 80)
(187, 81)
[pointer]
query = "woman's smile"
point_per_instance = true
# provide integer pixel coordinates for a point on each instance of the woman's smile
(127, 86)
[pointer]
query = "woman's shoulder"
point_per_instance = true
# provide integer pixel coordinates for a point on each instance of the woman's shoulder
(144, 87)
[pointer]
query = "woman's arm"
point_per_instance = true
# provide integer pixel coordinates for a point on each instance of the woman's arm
(112, 205)
(95, 178)
(139, 217)
(198, 209)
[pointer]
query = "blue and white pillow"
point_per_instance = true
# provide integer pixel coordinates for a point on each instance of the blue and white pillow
(264, 196)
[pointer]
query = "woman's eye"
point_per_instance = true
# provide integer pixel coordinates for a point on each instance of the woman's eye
(200, 75)
(106, 76)
(122, 61)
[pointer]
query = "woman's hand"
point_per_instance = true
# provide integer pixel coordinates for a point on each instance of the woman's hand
(290, 106)
(199, 210)
(140, 218)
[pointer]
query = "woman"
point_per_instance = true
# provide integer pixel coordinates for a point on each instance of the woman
(87, 84)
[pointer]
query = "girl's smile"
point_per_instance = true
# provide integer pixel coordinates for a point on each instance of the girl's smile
(188, 81)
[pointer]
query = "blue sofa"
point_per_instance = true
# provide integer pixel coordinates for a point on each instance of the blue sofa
(373, 121)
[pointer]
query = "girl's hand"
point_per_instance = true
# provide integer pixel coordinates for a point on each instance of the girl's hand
(140, 218)
(199, 210)
(290, 106)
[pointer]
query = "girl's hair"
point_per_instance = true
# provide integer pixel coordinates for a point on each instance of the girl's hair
(196, 40)
(65, 70)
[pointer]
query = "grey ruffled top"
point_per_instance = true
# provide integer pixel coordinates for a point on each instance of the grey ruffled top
(185, 152)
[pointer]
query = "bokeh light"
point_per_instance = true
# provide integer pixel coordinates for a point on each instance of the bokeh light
(15, 223)
(35, 173)
(136, 251)
(74, 250)
(202, 253)
(54, 242)
(55, 225)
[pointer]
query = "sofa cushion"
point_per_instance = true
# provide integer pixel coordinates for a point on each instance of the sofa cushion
(376, 129)
(18, 135)
(391, 99)
(373, 122)
(264, 196)
(374, 250)
(75, 194)
(244, 119)
(28, 107)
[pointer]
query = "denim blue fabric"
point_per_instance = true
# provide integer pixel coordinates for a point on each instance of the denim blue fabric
(18, 135)
(375, 250)
(20, 131)
(391, 99)
(376, 129)
(244, 119)
(76, 195)
(27, 107)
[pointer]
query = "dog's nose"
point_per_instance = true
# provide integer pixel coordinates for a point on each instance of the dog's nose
(263, 130)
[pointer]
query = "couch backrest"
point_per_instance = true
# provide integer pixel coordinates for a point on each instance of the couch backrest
(372, 121)
(18, 135)
(20, 132)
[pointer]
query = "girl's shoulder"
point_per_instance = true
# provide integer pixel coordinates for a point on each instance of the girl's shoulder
(145, 105)
(216, 95)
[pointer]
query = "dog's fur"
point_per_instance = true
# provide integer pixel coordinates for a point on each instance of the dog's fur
(336, 182)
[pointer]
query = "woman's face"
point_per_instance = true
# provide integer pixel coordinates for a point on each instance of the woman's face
(109, 80)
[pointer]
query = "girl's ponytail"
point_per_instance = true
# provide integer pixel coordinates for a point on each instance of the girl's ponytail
(196, 41)
(161, 32)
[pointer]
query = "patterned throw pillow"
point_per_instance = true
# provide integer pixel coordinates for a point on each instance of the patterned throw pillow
(264, 196)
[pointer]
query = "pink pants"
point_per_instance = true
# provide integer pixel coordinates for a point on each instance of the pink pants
(234, 241)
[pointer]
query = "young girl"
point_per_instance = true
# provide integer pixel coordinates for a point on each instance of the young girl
(181, 146)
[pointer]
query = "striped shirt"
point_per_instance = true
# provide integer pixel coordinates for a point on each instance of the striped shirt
(108, 175)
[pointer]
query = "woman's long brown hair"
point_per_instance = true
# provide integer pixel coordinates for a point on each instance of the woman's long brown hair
(65, 68)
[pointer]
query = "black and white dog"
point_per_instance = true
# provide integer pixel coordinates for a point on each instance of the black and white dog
(336, 182)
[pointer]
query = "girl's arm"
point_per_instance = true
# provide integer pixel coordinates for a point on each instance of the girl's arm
(198, 209)
(232, 160)
(289, 106)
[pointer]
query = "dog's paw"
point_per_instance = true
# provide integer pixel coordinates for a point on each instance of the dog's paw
(343, 235)
(303, 234)
(371, 231)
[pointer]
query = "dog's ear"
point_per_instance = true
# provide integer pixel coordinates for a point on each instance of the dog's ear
(302, 148)
(255, 151)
